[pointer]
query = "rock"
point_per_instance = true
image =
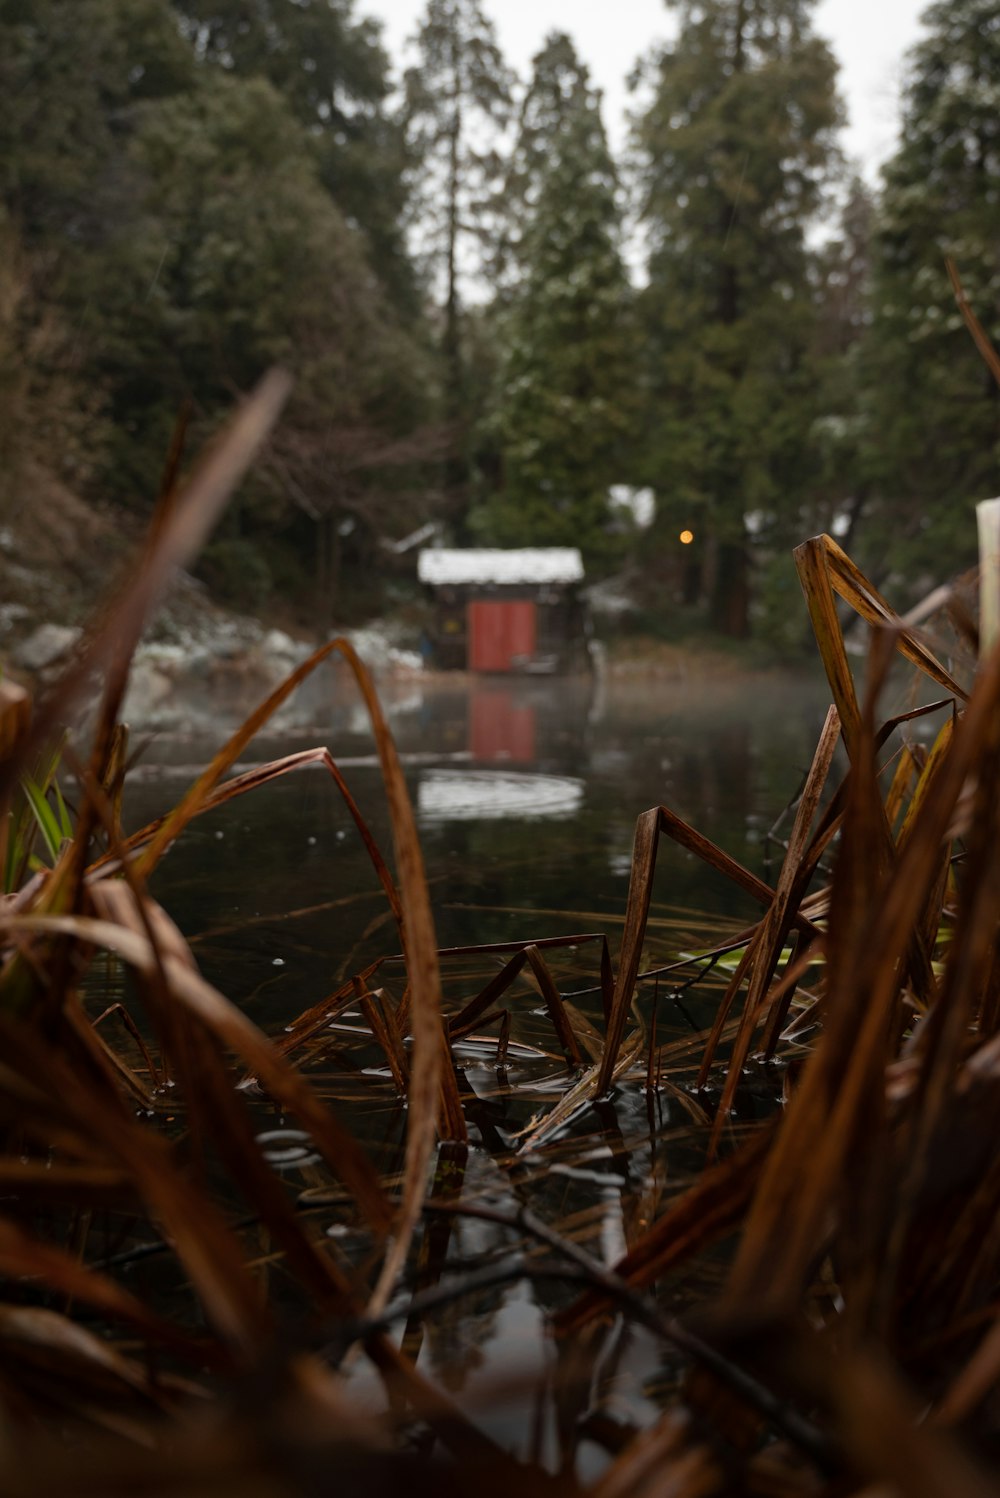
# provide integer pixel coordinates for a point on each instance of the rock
(46, 645)
(170, 659)
(379, 651)
(277, 643)
(148, 690)
(232, 638)
(11, 614)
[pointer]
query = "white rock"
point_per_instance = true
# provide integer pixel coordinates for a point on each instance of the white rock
(46, 645)
(164, 657)
(276, 642)
(375, 646)
(148, 691)
(11, 614)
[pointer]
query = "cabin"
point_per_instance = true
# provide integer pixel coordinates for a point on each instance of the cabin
(506, 610)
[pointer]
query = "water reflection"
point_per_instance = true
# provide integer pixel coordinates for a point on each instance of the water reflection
(527, 794)
(500, 726)
(542, 1399)
(484, 795)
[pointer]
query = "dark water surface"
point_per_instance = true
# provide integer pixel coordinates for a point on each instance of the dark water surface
(526, 794)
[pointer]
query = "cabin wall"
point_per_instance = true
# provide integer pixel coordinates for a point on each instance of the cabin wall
(503, 629)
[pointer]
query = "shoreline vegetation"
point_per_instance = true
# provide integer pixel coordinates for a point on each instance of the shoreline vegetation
(837, 1252)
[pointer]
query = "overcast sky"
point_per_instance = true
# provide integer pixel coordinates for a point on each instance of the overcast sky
(869, 38)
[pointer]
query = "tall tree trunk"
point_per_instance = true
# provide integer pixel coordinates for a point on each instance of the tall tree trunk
(730, 606)
(455, 467)
(691, 580)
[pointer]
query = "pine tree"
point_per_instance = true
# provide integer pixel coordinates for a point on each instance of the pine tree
(736, 149)
(72, 73)
(564, 394)
(74, 76)
(834, 488)
(936, 405)
(845, 434)
(242, 260)
(458, 100)
(558, 91)
(332, 71)
(177, 222)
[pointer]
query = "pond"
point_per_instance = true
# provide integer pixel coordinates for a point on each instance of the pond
(526, 794)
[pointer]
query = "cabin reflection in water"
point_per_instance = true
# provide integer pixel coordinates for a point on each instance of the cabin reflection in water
(501, 728)
(512, 735)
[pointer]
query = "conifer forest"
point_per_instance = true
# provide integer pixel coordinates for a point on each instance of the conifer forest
(491, 320)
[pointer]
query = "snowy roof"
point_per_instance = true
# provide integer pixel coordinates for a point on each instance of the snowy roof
(538, 564)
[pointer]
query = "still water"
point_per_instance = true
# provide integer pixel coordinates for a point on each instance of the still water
(526, 794)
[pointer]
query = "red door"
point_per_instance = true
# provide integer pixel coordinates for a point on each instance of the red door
(500, 632)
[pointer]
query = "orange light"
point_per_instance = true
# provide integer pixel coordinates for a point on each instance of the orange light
(686, 538)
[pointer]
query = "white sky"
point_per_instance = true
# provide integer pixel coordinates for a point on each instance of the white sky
(869, 38)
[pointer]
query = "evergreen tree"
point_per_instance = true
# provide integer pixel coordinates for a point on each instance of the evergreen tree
(558, 92)
(233, 258)
(333, 73)
(735, 149)
(936, 405)
(563, 401)
(72, 73)
(845, 434)
(835, 491)
(178, 222)
(242, 260)
(458, 100)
